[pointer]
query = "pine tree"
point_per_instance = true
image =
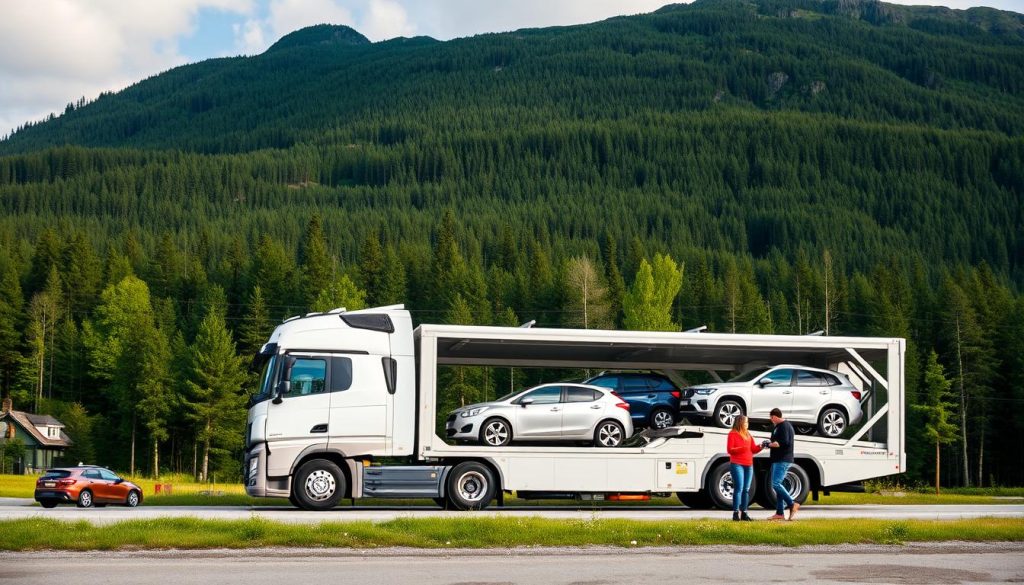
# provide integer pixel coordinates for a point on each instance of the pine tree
(256, 326)
(616, 284)
(11, 303)
(372, 269)
(314, 261)
(214, 399)
(937, 409)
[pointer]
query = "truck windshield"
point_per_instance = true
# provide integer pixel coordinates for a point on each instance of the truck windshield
(266, 379)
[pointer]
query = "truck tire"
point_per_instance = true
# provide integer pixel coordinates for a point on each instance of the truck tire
(496, 432)
(319, 484)
(720, 487)
(609, 433)
(796, 482)
(471, 486)
(726, 411)
(695, 500)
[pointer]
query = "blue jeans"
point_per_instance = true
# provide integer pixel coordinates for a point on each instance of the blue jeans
(782, 497)
(742, 475)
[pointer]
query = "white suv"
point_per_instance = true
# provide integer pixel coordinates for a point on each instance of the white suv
(808, 397)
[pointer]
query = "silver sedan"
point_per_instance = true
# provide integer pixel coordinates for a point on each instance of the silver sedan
(549, 412)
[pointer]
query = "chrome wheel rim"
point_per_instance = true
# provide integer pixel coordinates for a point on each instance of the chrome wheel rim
(609, 435)
(662, 419)
(793, 484)
(833, 423)
(86, 499)
(320, 485)
(471, 486)
(133, 499)
(728, 412)
(726, 487)
(496, 433)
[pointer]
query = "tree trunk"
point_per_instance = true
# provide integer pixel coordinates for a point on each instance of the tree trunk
(195, 448)
(206, 453)
(131, 464)
(938, 456)
(963, 406)
(156, 458)
(981, 449)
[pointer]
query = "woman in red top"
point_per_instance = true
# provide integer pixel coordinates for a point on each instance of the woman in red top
(741, 449)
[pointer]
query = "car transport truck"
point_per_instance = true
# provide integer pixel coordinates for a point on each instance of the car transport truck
(347, 408)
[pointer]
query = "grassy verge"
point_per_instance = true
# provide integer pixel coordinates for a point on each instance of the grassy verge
(192, 533)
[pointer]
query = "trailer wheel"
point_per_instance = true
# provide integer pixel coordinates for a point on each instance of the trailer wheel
(721, 489)
(796, 482)
(609, 433)
(696, 500)
(496, 432)
(471, 486)
(319, 485)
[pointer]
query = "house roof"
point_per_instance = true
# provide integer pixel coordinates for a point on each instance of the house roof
(28, 423)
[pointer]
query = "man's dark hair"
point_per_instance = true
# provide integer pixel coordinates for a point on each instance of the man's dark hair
(775, 412)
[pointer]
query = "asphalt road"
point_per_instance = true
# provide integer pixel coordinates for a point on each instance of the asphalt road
(12, 508)
(947, 563)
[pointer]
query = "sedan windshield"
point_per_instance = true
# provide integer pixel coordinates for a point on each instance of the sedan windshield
(748, 376)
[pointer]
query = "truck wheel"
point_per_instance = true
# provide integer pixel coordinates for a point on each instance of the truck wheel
(319, 485)
(609, 433)
(662, 418)
(696, 500)
(832, 422)
(496, 432)
(796, 482)
(720, 487)
(726, 412)
(471, 486)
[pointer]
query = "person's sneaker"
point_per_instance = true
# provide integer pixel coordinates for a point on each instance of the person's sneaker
(793, 509)
(777, 517)
(735, 516)
(746, 518)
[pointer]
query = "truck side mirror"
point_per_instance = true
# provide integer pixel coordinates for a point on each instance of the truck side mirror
(285, 385)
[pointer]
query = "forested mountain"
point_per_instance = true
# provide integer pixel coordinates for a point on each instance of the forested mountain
(844, 165)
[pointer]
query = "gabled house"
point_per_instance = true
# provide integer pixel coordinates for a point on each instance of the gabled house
(42, 435)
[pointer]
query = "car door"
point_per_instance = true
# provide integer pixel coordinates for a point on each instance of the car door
(303, 413)
(542, 417)
(639, 394)
(580, 412)
(114, 488)
(97, 485)
(771, 390)
(809, 395)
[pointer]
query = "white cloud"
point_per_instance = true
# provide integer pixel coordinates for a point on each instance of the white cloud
(55, 51)
(386, 19)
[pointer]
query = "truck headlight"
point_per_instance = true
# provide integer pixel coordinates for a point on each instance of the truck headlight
(254, 464)
(473, 412)
(705, 391)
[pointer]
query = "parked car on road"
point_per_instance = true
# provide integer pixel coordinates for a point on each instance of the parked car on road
(810, 398)
(549, 412)
(87, 486)
(653, 398)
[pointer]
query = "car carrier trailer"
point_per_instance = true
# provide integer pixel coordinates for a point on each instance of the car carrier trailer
(342, 391)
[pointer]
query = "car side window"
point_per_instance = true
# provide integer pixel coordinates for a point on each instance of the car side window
(779, 377)
(808, 378)
(341, 373)
(635, 384)
(108, 475)
(661, 384)
(91, 474)
(831, 380)
(577, 394)
(309, 376)
(546, 395)
(606, 382)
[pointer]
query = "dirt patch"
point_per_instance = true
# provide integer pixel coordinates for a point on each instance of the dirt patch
(900, 574)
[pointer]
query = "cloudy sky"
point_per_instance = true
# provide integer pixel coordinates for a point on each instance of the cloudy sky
(55, 51)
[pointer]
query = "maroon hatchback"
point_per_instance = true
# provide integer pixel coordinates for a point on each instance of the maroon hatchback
(86, 486)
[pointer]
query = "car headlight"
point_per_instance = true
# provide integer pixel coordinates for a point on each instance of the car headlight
(473, 412)
(705, 391)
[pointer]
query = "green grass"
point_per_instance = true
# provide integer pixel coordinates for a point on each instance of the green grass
(193, 533)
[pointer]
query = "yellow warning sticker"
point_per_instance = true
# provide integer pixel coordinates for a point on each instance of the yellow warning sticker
(682, 468)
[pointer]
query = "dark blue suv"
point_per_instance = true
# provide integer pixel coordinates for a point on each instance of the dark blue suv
(653, 398)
